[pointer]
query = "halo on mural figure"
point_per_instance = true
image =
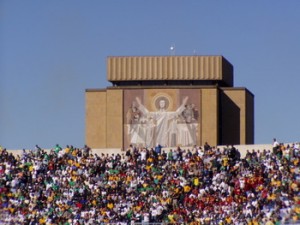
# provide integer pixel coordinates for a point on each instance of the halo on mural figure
(157, 101)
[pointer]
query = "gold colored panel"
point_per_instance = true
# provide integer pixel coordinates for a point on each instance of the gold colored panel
(209, 116)
(243, 119)
(114, 112)
(96, 119)
(170, 68)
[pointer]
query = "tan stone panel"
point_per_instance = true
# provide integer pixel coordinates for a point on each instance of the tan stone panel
(114, 112)
(227, 69)
(231, 117)
(158, 70)
(209, 116)
(95, 117)
(249, 118)
(170, 68)
(180, 69)
(139, 68)
(238, 98)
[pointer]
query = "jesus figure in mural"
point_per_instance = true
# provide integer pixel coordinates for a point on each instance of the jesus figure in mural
(163, 120)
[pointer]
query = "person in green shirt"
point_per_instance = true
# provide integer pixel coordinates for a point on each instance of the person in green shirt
(57, 148)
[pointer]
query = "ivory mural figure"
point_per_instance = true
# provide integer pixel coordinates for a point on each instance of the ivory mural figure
(136, 129)
(164, 120)
(167, 128)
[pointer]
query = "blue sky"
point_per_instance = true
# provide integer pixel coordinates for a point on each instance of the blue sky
(51, 51)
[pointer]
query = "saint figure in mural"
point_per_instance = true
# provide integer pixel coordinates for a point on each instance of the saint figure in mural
(163, 122)
(187, 126)
(136, 130)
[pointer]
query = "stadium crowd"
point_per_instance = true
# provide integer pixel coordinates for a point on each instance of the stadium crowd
(201, 185)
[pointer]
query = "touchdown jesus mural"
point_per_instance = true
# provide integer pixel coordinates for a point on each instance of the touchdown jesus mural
(169, 117)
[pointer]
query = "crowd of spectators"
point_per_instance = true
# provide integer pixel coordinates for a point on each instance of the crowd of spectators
(200, 185)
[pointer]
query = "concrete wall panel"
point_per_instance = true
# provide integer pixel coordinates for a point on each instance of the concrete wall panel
(209, 116)
(237, 116)
(114, 115)
(95, 119)
(215, 68)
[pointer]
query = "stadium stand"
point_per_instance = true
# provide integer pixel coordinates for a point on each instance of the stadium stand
(197, 185)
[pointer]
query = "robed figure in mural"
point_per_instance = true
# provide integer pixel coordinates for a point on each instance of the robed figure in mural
(136, 128)
(163, 121)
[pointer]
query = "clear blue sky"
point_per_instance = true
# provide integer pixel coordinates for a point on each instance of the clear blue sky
(51, 51)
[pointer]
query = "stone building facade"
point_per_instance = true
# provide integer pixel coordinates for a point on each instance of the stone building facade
(171, 101)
